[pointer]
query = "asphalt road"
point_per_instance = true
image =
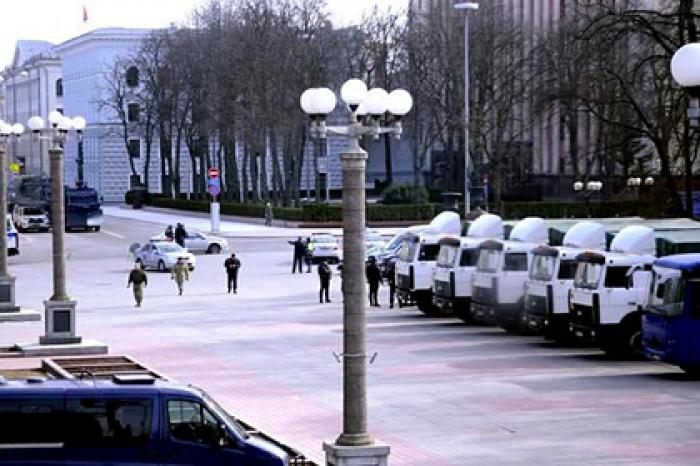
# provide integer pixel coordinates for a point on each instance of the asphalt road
(440, 392)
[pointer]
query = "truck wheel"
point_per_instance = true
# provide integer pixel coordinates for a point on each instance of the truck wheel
(214, 249)
(427, 307)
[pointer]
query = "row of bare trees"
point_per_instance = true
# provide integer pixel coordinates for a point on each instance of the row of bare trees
(228, 83)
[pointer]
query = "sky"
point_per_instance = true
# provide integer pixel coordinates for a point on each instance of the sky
(58, 20)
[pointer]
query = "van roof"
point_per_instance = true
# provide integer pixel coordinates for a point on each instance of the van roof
(34, 387)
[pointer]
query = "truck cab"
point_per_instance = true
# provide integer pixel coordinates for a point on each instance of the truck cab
(418, 258)
(456, 263)
(83, 209)
(611, 289)
(551, 276)
(126, 420)
(671, 321)
(501, 271)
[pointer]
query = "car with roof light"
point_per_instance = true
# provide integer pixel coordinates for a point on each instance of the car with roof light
(198, 242)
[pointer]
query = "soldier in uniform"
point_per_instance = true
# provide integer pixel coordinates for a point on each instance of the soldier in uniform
(324, 275)
(232, 264)
(374, 278)
(137, 278)
(180, 274)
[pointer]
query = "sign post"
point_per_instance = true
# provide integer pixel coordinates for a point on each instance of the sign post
(214, 190)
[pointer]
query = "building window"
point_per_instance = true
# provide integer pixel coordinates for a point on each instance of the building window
(132, 76)
(134, 148)
(133, 113)
(59, 88)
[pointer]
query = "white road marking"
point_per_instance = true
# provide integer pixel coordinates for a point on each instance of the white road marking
(113, 234)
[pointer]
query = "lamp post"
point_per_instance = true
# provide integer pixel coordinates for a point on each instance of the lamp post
(59, 308)
(79, 126)
(587, 190)
(8, 132)
(466, 7)
(354, 445)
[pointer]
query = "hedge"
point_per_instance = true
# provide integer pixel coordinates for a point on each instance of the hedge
(307, 213)
(603, 209)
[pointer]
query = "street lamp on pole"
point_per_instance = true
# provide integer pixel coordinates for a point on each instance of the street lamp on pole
(59, 308)
(354, 445)
(466, 7)
(587, 190)
(79, 126)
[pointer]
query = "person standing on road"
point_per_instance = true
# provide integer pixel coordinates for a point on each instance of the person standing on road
(169, 233)
(137, 280)
(324, 275)
(268, 214)
(232, 264)
(180, 274)
(180, 234)
(299, 251)
(374, 278)
(308, 254)
(390, 276)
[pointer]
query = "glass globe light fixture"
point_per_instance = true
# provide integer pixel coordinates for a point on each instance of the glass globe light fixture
(35, 123)
(684, 65)
(578, 186)
(55, 118)
(5, 129)
(306, 101)
(400, 102)
(353, 93)
(323, 101)
(376, 102)
(79, 123)
(65, 124)
(649, 181)
(17, 129)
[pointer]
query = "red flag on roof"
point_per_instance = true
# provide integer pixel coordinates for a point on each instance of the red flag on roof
(85, 15)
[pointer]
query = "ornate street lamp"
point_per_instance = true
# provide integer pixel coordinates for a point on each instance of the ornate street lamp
(79, 126)
(59, 308)
(586, 191)
(9, 311)
(373, 105)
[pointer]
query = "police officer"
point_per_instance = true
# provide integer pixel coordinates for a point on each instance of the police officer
(180, 274)
(299, 252)
(324, 275)
(308, 254)
(390, 276)
(232, 264)
(180, 234)
(137, 278)
(374, 278)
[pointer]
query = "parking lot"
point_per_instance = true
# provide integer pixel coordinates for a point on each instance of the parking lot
(440, 392)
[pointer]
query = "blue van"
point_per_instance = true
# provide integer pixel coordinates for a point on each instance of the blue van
(671, 322)
(129, 420)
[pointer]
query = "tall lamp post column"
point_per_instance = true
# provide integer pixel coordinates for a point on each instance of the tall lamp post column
(59, 308)
(79, 125)
(355, 446)
(466, 7)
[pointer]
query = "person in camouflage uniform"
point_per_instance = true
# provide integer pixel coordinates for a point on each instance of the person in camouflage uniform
(180, 274)
(137, 278)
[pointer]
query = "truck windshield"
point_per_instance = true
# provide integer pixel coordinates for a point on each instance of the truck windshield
(469, 257)
(82, 198)
(408, 250)
(543, 267)
(428, 252)
(33, 211)
(489, 260)
(447, 256)
(671, 301)
(588, 275)
(232, 422)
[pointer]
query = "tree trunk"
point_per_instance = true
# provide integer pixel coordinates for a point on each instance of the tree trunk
(245, 172)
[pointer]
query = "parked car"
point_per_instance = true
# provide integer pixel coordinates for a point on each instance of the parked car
(198, 242)
(325, 246)
(12, 238)
(163, 255)
(28, 218)
(130, 419)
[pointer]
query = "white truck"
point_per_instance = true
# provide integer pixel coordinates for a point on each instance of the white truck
(417, 259)
(457, 262)
(611, 289)
(551, 277)
(501, 271)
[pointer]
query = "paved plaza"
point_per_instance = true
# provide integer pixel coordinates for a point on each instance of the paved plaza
(440, 392)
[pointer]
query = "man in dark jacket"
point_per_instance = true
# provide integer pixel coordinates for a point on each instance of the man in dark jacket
(374, 278)
(324, 275)
(232, 264)
(180, 234)
(299, 251)
(390, 276)
(137, 278)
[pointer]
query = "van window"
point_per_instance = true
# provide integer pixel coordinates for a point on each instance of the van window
(469, 257)
(190, 421)
(108, 423)
(616, 277)
(515, 262)
(567, 270)
(428, 252)
(31, 420)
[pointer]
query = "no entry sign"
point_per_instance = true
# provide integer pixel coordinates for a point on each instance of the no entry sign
(213, 172)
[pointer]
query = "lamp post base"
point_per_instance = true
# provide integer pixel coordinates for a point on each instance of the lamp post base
(7, 294)
(59, 322)
(376, 454)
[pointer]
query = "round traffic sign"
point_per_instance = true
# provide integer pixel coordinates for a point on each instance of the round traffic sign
(213, 172)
